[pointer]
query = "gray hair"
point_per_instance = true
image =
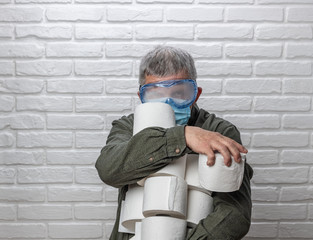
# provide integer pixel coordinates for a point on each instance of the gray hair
(165, 61)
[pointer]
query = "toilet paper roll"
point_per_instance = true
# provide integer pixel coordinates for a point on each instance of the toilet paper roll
(132, 211)
(163, 228)
(153, 114)
(121, 228)
(200, 205)
(176, 168)
(192, 175)
(219, 177)
(165, 195)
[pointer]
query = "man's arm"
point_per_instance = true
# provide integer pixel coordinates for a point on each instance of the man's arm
(126, 158)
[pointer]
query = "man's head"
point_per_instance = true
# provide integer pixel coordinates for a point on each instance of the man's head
(169, 75)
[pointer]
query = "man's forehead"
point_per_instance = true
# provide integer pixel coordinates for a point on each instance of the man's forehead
(154, 79)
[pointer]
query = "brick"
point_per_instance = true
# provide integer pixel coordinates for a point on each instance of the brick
(288, 68)
(269, 32)
(74, 13)
(44, 212)
(19, 14)
(254, 121)
(227, 68)
(245, 138)
(226, 1)
(255, 14)
(300, 14)
(283, 1)
(310, 211)
(6, 68)
(6, 139)
(44, 68)
(77, 157)
(201, 14)
(279, 212)
(282, 104)
(7, 175)
(284, 139)
(226, 103)
(169, 31)
(27, 121)
(253, 50)
(22, 157)
(262, 157)
(22, 230)
(111, 194)
(45, 175)
(281, 175)
(21, 86)
(45, 32)
(74, 194)
(229, 31)
(121, 86)
(298, 86)
(296, 230)
(298, 121)
(6, 103)
(74, 50)
(75, 86)
(110, 118)
(210, 86)
(165, 1)
(59, 104)
(128, 49)
(74, 122)
(44, 139)
(103, 32)
(253, 86)
(297, 156)
(95, 212)
(296, 193)
(87, 175)
(21, 50)
(103, 1)
(75, 230)
(108, 229)
(7, 212)
(6, 31)
(207, 50)
(90, 140)
(132, 14)
(43, 1)
(299, 50)
(95, 104)
(263, 230)
(265, 194)
(22, 193)
(103, 68)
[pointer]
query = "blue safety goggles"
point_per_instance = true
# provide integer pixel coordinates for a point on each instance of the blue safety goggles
(181, 93)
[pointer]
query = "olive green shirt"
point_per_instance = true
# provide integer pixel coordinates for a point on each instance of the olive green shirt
(126, 159)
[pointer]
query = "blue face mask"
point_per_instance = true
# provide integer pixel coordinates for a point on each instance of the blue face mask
(182, 115)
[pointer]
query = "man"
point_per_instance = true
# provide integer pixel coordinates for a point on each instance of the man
(168, 75)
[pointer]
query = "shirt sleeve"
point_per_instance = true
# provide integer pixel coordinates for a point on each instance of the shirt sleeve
(126, 158)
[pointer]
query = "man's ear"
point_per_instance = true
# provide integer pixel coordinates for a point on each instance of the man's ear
(199, 93)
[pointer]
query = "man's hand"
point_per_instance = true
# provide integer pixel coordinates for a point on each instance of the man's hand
(207, 142)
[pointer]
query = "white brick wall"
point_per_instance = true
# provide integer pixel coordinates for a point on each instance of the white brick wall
(68, 68)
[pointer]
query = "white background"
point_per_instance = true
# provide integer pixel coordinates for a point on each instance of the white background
(68, 68)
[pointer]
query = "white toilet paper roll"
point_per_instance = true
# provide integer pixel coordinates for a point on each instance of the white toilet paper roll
(153, 114)
(192, 175)
(176, 168)
(219, 177)
(200, 205)
(121, 228)
(165, 195)
(132, 211)
(163, 228)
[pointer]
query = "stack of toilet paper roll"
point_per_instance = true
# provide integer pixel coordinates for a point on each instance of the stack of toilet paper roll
(161, 206)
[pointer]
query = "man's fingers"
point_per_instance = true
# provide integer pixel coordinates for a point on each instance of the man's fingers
(211, 158)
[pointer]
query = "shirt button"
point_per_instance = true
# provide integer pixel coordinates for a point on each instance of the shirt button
(151, 159)
(177, 150)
